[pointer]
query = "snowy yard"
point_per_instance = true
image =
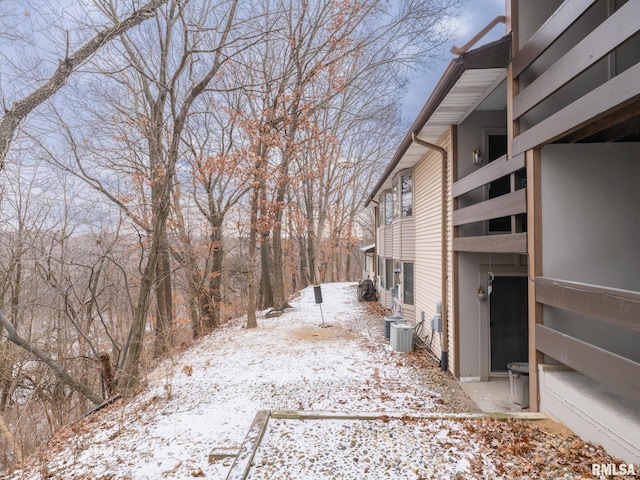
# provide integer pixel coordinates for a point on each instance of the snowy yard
(206, 398)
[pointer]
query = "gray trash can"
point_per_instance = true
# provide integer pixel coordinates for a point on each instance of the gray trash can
(519, 382)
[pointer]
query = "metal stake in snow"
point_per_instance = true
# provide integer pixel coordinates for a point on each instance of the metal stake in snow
(317, 292)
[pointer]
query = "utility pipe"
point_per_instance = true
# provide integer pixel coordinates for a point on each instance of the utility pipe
(444, 360)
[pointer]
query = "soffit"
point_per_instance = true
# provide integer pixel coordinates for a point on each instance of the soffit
(480, 89)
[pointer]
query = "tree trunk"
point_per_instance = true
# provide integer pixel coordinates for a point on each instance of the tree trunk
(303, 264)
(279, 297)
(251, 267)
(128, 380)
(266, 267)
(67, 379)
(214, 295)
(164, 303)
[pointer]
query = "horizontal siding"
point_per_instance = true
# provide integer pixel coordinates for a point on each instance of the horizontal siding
(380, 242)
(396, 240)
(385, 298)
(407, 239)
(388, 233)
(428, 239)
(409, 313)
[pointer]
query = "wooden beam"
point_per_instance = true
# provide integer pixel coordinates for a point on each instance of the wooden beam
(617, 93)
(534, 249)
(490, 172)
(611, 305)
(597, 363)
(242, 463)
(548, 33)
(502, 206)
(514, 243)
(609, 128)
(622, 25)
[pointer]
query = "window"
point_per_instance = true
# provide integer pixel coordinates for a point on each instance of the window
(385, 209)
(402, 194)
(407, 290)
(395, 199)
(388, 208)
(389, 273)
(381, 273)
(406, 181)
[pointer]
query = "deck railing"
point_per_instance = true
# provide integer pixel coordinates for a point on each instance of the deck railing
(606, 97)
(510, 204)
(612, 306)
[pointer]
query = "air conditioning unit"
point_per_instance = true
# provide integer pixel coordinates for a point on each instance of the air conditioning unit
(390, 320)
(401, 337)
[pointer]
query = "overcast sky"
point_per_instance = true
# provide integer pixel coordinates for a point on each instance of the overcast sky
(477, 14)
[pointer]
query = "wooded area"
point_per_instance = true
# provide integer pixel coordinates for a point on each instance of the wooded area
(168, 166)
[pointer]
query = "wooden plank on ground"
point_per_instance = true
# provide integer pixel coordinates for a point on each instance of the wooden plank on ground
(242, 464)
(220, 453)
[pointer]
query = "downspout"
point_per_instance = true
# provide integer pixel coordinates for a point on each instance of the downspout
(376, 213)
(444, 360)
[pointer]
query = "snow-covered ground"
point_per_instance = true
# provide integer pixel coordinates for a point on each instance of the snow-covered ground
(208, 396)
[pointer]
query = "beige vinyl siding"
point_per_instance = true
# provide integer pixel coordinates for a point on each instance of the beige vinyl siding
(396, 240)
(407, 239)
(385, 298)
(409, 313)
(428, 238)
(381, 244)
(385, 246)
(388, 234)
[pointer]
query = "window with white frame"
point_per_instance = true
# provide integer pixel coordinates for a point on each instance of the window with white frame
(406, 186)
(381, 272)
(388, 208)
(389, 274)
(402, 194)
(385, 209)
(407, 284)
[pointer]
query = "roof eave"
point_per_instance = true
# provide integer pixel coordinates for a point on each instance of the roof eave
(496, 54)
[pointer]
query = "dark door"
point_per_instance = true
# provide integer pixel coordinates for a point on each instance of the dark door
(508, 322)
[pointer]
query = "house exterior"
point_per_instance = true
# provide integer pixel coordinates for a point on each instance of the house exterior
(510, 202)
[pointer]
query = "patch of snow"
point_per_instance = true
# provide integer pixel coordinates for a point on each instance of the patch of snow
(208, 396)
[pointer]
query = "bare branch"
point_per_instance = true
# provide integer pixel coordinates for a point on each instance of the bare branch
(12, 335)
(21, 108)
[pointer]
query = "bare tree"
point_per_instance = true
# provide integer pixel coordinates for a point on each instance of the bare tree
(215, 178)
(22, 107)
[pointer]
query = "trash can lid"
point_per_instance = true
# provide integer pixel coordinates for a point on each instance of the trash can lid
(519, 367)
(395, 318)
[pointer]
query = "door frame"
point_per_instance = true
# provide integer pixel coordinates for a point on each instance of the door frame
(485, 329)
